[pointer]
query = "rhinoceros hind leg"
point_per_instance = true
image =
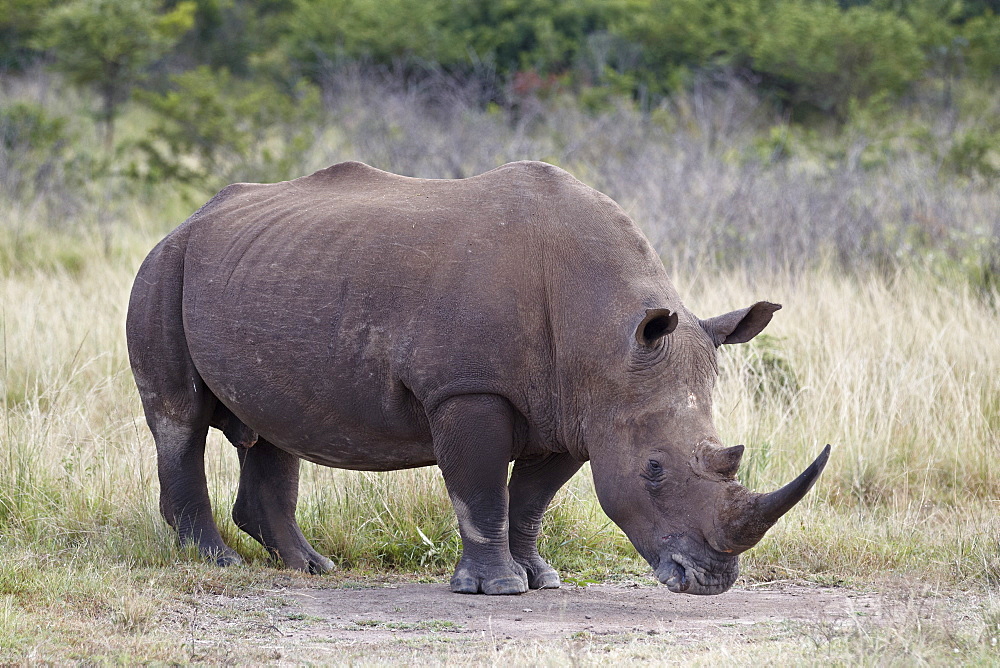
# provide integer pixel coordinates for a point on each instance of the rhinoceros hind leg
(533, 483)
(265, 506)
(473, 438)
(184, 501)
(175, 399)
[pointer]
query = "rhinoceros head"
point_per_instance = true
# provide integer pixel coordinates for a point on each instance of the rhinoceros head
(667, 480)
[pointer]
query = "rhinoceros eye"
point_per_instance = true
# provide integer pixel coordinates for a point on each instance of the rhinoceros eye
(654, 471)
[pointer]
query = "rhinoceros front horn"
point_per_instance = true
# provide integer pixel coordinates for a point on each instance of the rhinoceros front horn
(771, 507)
(765, 509)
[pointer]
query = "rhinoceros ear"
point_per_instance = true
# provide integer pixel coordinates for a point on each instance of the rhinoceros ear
(658, 323)
(740, 326)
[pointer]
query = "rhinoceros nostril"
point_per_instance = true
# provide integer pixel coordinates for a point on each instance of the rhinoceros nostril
(678, 581)
(674, 575)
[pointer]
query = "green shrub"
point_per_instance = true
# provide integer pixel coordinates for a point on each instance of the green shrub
(547, 36)
(816, 54)
(320, 33)
(975, 152)
(227, 33)
(32, 146)
(983, 51)
(27, 126)
(213, 128)
(812, 53)
(680, 35)
(108, 44)
(19, 22)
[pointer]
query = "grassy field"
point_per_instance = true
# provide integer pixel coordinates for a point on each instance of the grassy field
(896, 373)
(885, 348)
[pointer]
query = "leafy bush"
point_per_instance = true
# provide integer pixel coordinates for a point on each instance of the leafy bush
(107, 44)
(24, 125)
(214, 129)
(322, 33)
(19, 21)
(817, 53)
(975, 152)
(814, 53)
(546, 36)
(983, 52)
(678, 36)
(32, 146)
(226, 33)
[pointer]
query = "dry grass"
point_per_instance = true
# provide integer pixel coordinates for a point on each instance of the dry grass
(893, 361)
(905, 391)
(714, 173)
(896, 374)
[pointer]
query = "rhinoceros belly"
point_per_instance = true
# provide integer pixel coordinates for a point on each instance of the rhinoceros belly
(313, 376)
(322, 412)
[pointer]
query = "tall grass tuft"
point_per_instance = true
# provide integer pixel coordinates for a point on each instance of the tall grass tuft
(896, 374)
(884, 260)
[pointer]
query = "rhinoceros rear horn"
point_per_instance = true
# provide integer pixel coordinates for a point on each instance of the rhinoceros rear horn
(719, 462)
(765, 509)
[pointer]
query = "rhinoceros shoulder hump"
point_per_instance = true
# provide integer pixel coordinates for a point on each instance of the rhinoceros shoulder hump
(351, 170)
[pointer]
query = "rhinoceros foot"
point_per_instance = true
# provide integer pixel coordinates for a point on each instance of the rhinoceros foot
(226, 556)
(307, 559)
(286, 543)
(474, 578)
(320, 565)
(540, 574)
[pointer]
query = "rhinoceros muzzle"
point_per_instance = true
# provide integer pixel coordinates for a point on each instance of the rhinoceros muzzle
(698, 566)
(711, 573)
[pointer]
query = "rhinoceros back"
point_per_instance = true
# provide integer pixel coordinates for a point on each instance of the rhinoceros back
(330, 313)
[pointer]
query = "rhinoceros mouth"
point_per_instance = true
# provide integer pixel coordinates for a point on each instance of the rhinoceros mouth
(682, 575)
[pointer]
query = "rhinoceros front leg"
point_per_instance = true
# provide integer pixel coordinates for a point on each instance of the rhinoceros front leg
(473, 438)
(533, 483)
(265, 506)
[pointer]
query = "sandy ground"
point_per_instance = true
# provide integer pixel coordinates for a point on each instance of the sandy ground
(368, 623)
(560, 613)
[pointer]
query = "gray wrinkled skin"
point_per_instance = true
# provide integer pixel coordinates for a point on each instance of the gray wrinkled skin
(368, 321)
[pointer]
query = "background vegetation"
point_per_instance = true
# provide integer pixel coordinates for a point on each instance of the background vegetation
(840, 157)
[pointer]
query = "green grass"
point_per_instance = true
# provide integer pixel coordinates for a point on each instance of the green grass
(910, 494)
(895, 363)
(911, 415)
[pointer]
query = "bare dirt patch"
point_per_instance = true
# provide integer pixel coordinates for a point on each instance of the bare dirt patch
(426, 622)
(560, 613)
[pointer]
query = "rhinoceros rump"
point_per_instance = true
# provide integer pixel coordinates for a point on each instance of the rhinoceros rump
(363, 320)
